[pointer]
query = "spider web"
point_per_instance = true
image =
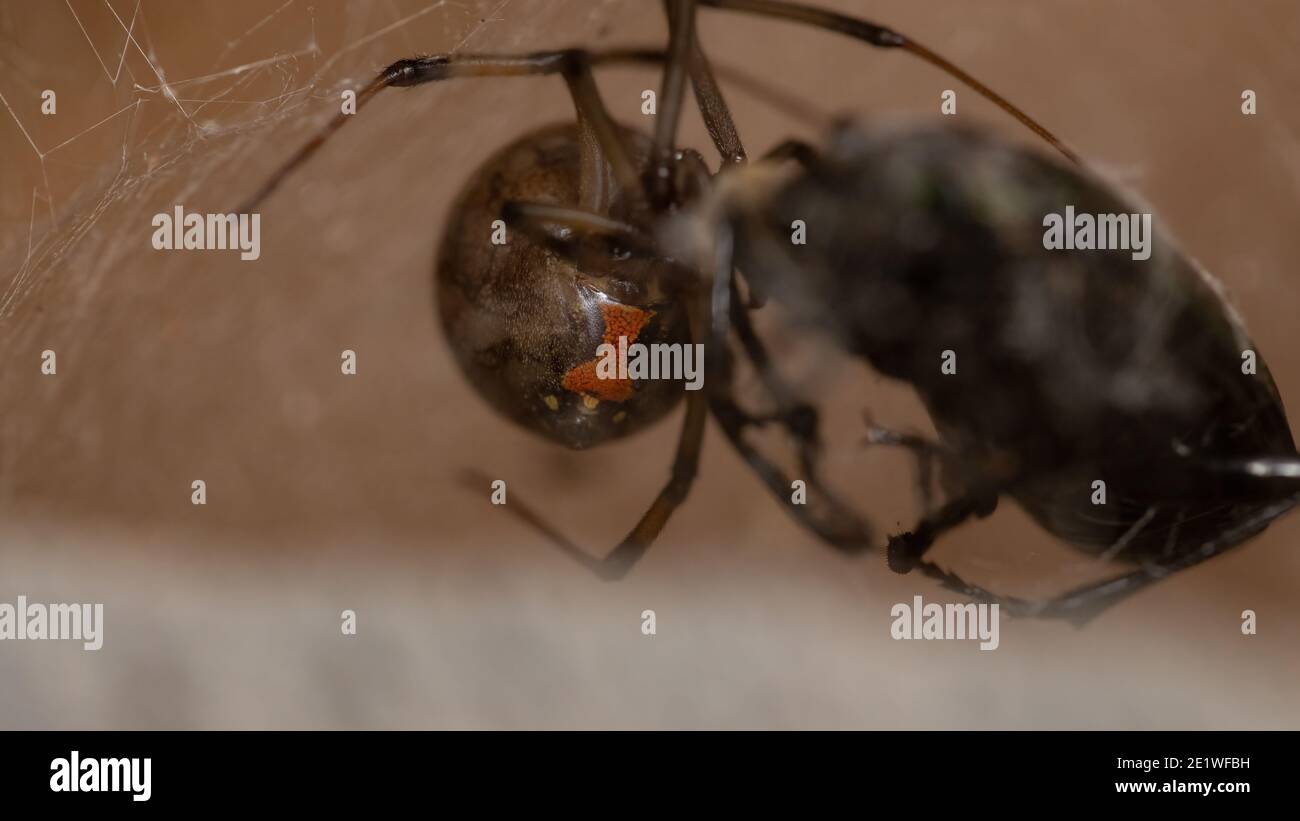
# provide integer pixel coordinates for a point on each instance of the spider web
(158, 96)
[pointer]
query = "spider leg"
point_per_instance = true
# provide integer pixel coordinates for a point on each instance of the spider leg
(564, 227)
(684, 55)
(593, 241)
(883, 37)
(708, 95)
(668, 110)
(601, 144)
(686, 464)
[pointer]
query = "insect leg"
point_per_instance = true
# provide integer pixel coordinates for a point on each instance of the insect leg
(883, 37)
(1272, 477)
(824, 514)
(1084, 603)
(950, 580)
(573, 65)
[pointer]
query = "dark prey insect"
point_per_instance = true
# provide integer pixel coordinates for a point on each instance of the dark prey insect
(1075, 367)
(1072, 368)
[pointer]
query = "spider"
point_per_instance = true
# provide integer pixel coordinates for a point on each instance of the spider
(921, 240)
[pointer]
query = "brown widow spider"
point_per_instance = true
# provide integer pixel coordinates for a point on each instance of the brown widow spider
(925, 240)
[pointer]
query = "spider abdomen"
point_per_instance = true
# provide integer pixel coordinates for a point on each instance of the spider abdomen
(525, 324)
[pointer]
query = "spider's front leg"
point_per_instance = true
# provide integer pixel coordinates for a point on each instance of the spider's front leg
(574, 65)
